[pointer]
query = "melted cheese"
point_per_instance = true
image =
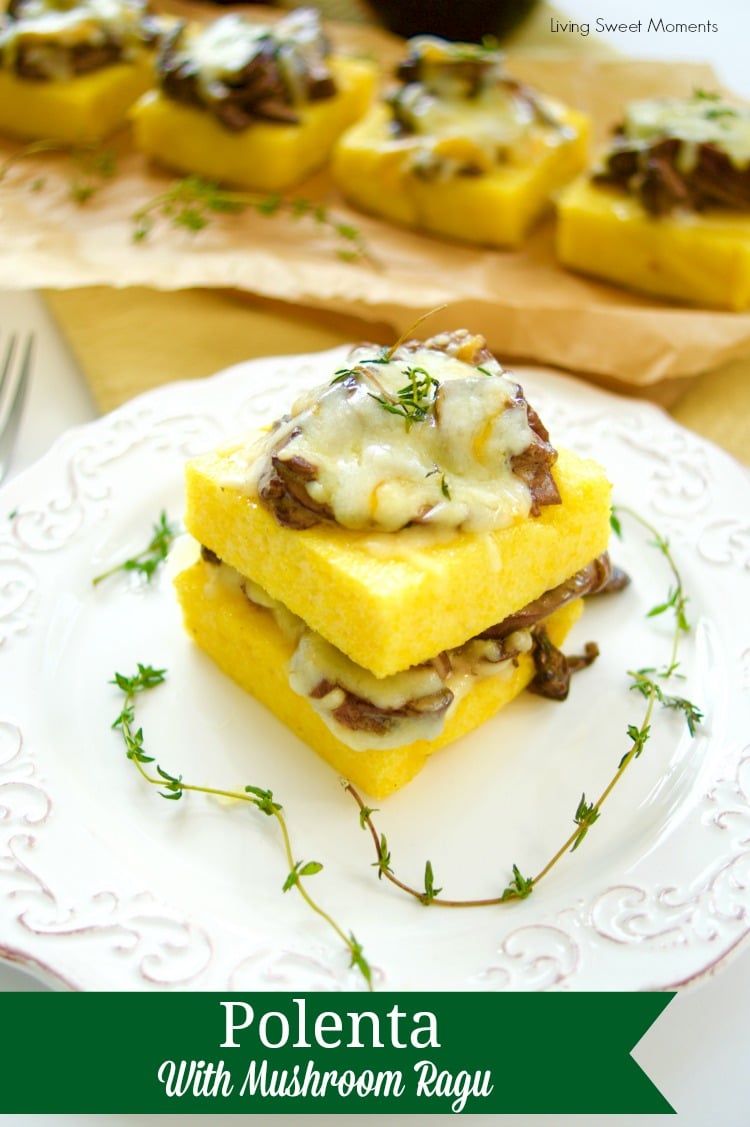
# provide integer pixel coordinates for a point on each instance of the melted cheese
(224, 47)
(89, 22)
(472, 122)
(377, 469)
(315, 660)
(694, 121)
(221, 50)
(493, 118)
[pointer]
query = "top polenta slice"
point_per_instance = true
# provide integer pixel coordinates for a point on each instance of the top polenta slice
(392, 600)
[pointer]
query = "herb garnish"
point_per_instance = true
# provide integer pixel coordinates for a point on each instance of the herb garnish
(145, 563)
(190, 203)
(720, 111)
(92, 166)
(174, 787)
(645, 681)
(415, 401)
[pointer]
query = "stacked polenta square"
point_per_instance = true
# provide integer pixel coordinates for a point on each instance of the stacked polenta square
(376, 640)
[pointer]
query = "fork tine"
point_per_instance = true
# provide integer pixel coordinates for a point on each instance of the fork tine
(14, 381)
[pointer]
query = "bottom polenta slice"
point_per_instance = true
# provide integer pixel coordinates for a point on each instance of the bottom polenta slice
(265, 157)
(701, 258)
(497, 208)
(246, 643)
(75, 110)
(392, 600)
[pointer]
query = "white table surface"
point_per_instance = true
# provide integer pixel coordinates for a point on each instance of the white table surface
(698, 1053)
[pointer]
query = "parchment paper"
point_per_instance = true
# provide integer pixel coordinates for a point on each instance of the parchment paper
(526, 305)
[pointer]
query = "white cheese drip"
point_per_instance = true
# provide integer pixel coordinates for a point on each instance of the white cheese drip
(223, 48)
(693, 121)
(376, 470)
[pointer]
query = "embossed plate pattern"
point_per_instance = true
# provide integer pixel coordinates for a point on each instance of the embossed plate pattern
(104, 885)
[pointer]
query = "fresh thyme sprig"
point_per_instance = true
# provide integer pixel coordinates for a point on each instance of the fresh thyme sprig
(173, 787)
(92, 165)
(145, 563)
(645, 681)
(190, 203)
(415, 401)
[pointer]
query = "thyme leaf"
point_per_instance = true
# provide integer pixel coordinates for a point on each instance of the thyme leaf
(191, 202)
(430, 892)
(649, 688)
(146, 563)
(519, 888)
(174, 787)
(92, 166)
(415, 401)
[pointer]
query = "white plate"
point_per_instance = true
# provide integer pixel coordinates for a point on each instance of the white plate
(105, 885)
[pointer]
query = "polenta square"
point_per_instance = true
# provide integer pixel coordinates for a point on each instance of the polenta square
(397, 557)
(246, 642)
(702, 259)
(78, 110)
(71, 72)
(392, 600)
(251, 105)
(666, 210)
(460, 150)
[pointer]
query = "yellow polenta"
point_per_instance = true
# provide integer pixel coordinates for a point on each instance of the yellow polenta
(76, 110)
(702, 258)
(497, 208)
(267, 156)
(393, 600)
(245, 642)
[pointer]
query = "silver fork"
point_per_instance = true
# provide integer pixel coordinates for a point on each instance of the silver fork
(15, 368)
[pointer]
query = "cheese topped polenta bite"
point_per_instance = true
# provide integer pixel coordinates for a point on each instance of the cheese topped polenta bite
(681, 154)
(70, 69)
(666, 209)
(253, 104)
(397, 557)
(458, 148)
(243, 72)
(416, 438)
(51, 40)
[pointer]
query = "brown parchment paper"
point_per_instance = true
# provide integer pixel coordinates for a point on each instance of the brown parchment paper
(527, 306)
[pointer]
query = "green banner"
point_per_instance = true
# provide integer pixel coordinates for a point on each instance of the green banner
(333, 1053)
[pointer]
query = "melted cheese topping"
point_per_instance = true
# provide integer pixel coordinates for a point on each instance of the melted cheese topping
(377, 468)
(694, 121)
(494, 121)
(475, 122)
(43, 23)
(224, 48)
